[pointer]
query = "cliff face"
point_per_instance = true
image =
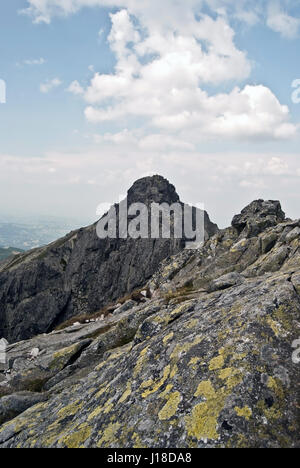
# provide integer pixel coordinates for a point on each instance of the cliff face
(80, 273)
(210, 360)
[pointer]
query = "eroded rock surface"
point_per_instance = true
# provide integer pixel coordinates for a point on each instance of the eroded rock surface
(207, 362)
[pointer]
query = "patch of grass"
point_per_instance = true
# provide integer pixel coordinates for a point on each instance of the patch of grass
(135, 296)
(180, 295)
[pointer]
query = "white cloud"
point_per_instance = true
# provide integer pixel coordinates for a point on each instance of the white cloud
(279, 21)
(273, 12)
(49, 85)
(40, 61)
(164, 63)
(75, 88)
(167, 92)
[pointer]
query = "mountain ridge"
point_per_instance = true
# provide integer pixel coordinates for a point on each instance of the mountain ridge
(80, 273)
(6, 252)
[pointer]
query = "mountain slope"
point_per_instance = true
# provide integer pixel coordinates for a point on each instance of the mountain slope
(208, 361)
(80, 273)
(6, 252)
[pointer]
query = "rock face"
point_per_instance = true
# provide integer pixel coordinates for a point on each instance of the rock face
(81, 273)
(209, 361)
(258, 216)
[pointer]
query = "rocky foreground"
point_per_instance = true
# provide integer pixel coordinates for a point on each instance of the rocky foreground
(205, 361)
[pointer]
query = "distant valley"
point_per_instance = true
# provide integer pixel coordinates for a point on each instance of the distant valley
(6, 252)
(29, 233)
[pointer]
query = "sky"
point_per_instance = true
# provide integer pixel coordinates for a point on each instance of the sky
(95, 94)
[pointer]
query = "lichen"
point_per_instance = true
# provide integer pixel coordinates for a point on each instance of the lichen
(61, 357)
(170, 408)
(166, 391)
(70, 409)
(277, 387)
(168, 338)
(205, 389)
(243, 412)
(108, 436)
(126, 394)
(158, 384)
(202, 423)
(226, 373)
(276, 328)
(78, 438)
(216, 363)
(140, 362)
(193, 363)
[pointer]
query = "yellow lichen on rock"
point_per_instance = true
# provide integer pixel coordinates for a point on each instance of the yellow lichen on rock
(243, 412)
(69, 410)
(276, 328)
(108, 436)
(126, 394)
(205, 389)
(140, 362)
(203, 421)
(192, 324)
(61, 357)
(216, 363)
(170, 408)
(95, 413)
(226, 373)
(158, 384)
(78, 438)
(166, 391)
(168, 338)
(193, 363)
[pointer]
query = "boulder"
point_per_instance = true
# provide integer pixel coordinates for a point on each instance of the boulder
(258, 216)
(13, 405)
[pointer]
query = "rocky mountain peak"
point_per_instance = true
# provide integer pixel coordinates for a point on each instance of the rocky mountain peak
(258, 216)
(155, 189)
(81, 273)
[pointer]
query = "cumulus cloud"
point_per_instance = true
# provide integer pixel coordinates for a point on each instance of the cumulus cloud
(49, 85)
(164, 63)
(167, 91)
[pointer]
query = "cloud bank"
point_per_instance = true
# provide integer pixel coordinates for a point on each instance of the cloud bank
(167, 55)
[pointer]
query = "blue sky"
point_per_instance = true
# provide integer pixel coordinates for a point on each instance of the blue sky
(100, 95)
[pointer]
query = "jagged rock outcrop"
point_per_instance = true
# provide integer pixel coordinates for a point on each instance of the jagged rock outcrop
(81, 273)
(258, 216)
(208, 361)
